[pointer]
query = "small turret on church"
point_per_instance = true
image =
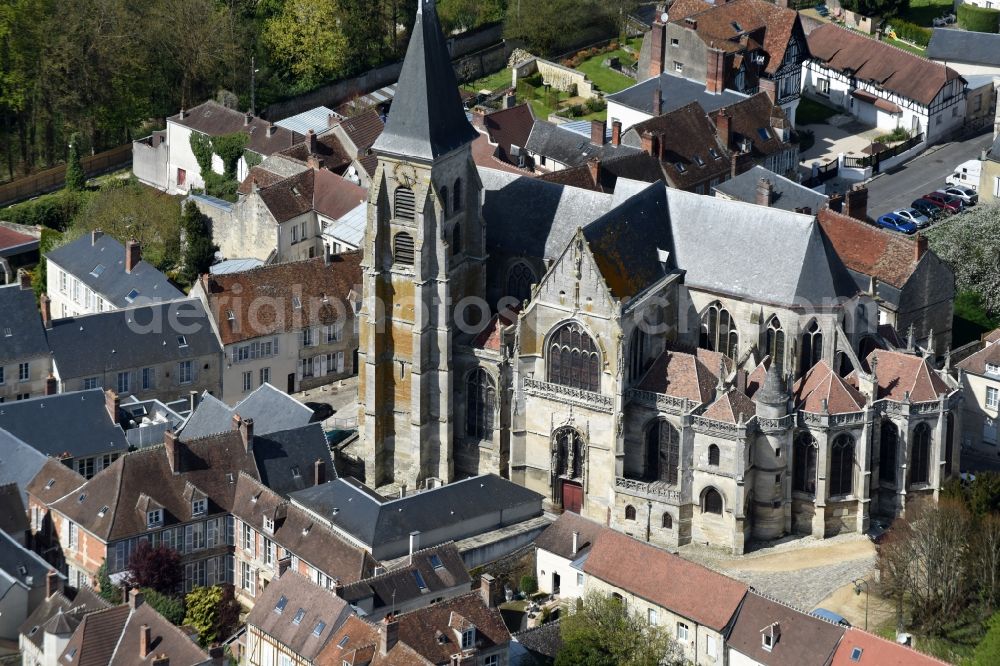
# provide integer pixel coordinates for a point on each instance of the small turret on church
(424, 253)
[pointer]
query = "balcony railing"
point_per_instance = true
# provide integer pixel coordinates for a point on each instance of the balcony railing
(656, 490)
(567, 394)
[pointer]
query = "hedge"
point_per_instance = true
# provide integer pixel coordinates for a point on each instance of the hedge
(912, 32)
(978, 19)
(55, 210)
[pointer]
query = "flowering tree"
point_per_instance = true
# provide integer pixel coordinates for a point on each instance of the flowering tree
(970, 245)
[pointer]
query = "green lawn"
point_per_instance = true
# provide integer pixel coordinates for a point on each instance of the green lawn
(970, 319)
(922, 12)
(492, 82)
(811, 112)
(607, 80)
(907, 47)
(957, 642)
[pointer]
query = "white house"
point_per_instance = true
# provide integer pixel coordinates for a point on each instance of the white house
(883, 86)
(560, 552)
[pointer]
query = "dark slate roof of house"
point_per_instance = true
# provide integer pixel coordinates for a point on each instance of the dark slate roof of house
(13, 512)
(557, 538)
(167, 639)
(787, 194)
(568, 147)
(21, 317)
(19, 462)
(755, 118)
(357, 510)
(801, 638)
(974, 48)
(362, 130)
(509, 127)
(15, 559)
(45, 423)
(63, 612)
(213, 119)
(889, 67)
(286, 459)
(122, 339)
(426, 119)
(271, 409)
(317, 605)
(401, 585)
(675, 92)
(83, 258)
(93, 643)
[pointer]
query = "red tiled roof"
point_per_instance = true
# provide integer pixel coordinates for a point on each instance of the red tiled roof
(876, 651)
(680, 375)
(334, 196)
(328, 148)
(10, 239)
(864, 248)
(890, 68)
(491, 336)
(757, 377)
(822, 383)
(667, 580)
(732, 407)
(363, 129)
(260, 177)
(483, 154)
(899, 373)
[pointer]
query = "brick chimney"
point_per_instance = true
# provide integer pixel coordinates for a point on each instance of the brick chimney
(479, 117)
(174, 451)
(646, 140)
(271, 129)
(594, 165)
(135, 598)
(487, 589)
(857, 203)
(145, 641)
(24, 278)
(715, 73)
(657, 100)
(319, 472)
(311, 139)
(723, 127)
(112, 403)
(161, 660)
(51, 385)
(245, 426)
(133, 255)
(769, 88)
(389, 634)
(284, 564)
(836, 202)
(658, 39)
(616, 133)
(919, 247)
(765, 192)
(53, 583)
(45, 305)
(598, 128)
(315, 163)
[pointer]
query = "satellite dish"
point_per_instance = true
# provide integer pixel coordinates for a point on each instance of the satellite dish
(663, 17)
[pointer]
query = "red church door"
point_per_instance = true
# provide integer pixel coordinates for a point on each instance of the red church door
(572, 496)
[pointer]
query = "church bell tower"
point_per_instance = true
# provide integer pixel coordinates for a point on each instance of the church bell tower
(424, 254)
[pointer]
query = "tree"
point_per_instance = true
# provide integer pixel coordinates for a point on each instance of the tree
(199, 251)
(167, 605)
(988, 651)
(462, 15)
(213, 611)
(76, 178)
(554, 26)
(156, 568)
(970, 244)
(307, 40)
(602, 632)
(108, 590)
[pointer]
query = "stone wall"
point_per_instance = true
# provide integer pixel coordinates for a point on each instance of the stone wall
(559, 77)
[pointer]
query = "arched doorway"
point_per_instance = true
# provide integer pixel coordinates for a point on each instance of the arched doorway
(568, 453)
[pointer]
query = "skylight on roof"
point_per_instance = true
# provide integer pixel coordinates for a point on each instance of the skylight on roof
(680, 167)
(714, 153)
(763, 133)
(737, 27)
(48, 486)
(417, 576)
(82, 497)
(343, 641)
(296, 303)
(182, 341)
(98, 269)
(280, 606)
(697, 160)
(132, 295)
(436, 562)
(7, 332)
(856, 654)
(320, 626)
(299, 614)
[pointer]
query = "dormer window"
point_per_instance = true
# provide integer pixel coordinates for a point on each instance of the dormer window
(199, 506)
(469, 638)
(154, 518)
(992, 369)
(182, 341)
(268, 524)
(769, 636)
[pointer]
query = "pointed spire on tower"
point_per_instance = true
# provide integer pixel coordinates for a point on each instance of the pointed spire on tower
(427, 118)
(773, 391)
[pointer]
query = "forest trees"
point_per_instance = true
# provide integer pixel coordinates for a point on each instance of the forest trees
(970, 243)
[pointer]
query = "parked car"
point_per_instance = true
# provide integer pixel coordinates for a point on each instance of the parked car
(913, 215)
(829, 615)
(946, 201)
(933, 211)
(896, 223)
(321, 411)
(968, 195)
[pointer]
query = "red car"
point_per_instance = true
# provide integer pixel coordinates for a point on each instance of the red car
(945, 201)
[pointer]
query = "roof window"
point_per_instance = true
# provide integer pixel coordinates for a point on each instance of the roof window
(230, 315)
(318, 629)
(736, 26)
(763, 133)
(436, 562)
(98, 270)
(7, 332)
(680, 167)
(82, 497)
(697, 160)
(856, 654)
(182, 341)
(421, 583)
(131, 296)
(299, 614)
(296, 302)
(714, 153)
(279, 607)
(343, 642)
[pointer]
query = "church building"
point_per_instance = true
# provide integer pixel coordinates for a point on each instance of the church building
(681, 367)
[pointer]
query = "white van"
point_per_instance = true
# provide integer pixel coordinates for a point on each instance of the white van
(966, 173)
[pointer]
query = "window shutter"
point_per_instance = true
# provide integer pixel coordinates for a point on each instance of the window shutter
(298, 370)
(194, 371)
(340, 361)
(321, 360)
(276, 338)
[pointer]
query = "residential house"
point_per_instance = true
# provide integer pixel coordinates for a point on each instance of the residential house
(21, 463)
(452, 512)
(94, 273)
(290, 325)
(503, 135)
(23, 580)
(271, 409)
(44, 634)
(466, 630)
(272, 533)
(883, 86)
(767, 632)
(292, 621)
(976, 56)
(979, 374)
(860, 648)
(758, 132)
(989, 175)
(343, 146)
(695, 604)
(560, 552)
(24, 357)
(603, 177)
(912, 286)
(18, 249)
(52, 482)
(161, 351)
(166, 161)
(662, 94)
(552, 147)
(742, 45)
(766, 188)
(430, 576)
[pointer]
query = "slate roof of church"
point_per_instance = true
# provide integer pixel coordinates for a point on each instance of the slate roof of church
(427, 118)
(20, 315)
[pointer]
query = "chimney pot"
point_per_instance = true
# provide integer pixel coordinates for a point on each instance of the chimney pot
(657, 100)
(135, 598)
(616, 132)
(133, 255)
(388, 634)
(576, 541)
(112, 403)
(53, 583)
(594, 166)
(765, 192)
(598, 128)
(919, 247)
(145, 640)
(24, 278)
(311, 138)
(658, 39)
(51, 385)
(319, 472)
(45, 305)
(487, 589)
(245, 426)
(414, 544)
(174, 451)
(715, 71)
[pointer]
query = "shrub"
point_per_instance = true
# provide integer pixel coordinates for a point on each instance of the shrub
(156, 568)
(76, 179)
(213, 611)
(529, 585)
(912, 32)
(54, 211)
(595, 104)
(978, 19)
(169, 607)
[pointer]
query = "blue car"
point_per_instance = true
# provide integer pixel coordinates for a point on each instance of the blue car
(896, 223)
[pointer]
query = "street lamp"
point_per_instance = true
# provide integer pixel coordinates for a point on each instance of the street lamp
(857, 590)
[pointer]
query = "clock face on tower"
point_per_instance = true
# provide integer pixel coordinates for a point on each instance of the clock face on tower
(405, 174)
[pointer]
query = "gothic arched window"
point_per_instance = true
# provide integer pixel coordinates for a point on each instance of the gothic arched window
(480, 405)
(812, 346)
(861, 318)
(804, 464)
(637, 354)
(888, 445)
(402, 249)
(573, 359)
(629, 512)
(456, 195)
(713, 455)
(920, 460)
(456, 238)
(666, 522)
(718, 331)
(842, 465)
(712, 502)
(569, 454)
(404, 203)
(774, 343)
(519, 281)
(662, 452)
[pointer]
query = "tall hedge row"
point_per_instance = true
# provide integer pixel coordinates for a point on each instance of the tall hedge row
(978, 19)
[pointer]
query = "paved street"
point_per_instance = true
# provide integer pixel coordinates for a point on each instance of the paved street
(926, 173)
